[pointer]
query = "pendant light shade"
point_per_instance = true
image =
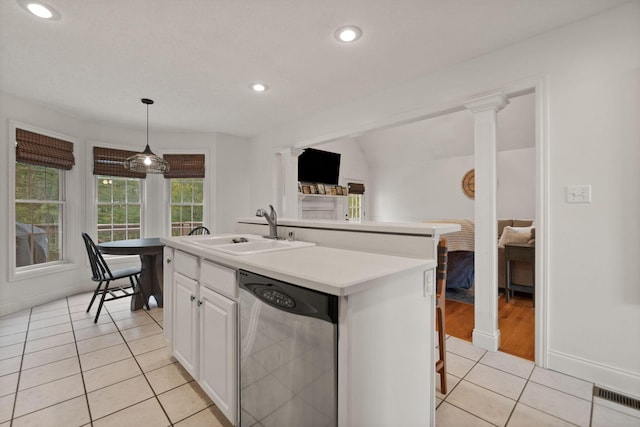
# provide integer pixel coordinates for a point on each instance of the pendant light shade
(146, 162)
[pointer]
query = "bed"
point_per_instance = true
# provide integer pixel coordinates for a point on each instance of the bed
(461, 244)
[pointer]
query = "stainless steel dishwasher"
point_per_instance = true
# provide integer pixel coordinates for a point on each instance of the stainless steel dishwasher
(288, 354)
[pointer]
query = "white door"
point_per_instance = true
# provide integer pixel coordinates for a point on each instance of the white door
(218, 350)
(185, 327)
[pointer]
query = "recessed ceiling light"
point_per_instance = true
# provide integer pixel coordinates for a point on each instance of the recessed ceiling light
(348, 34)
(39, 9)
(258, 87)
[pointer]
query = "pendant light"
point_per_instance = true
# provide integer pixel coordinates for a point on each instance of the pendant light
(147, 161)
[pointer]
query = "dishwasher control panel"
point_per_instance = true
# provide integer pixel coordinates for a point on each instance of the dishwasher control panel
(289, 297)
(275, 297)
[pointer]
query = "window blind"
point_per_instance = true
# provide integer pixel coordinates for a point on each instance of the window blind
(110, 162)
(355, 188)
(185, 165)
(42, 150)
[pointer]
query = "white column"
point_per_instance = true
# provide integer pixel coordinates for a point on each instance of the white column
(289, 158)
(485, 111)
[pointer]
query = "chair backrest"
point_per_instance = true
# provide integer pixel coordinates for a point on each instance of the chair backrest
(441, 269)
(99, 267)
(199, 231)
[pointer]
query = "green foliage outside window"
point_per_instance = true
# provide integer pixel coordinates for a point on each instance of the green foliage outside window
(119, 208)
(38, 214)
(187, 208)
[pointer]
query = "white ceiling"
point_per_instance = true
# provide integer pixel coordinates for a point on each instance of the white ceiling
(446, 136)
(196, 58)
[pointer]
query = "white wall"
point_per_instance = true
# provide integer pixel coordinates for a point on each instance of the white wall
(226, 186)
(232, 182)
(399, 164)
(593, 73)
(421, 190)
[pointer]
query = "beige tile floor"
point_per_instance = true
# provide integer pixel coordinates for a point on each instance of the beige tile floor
(58, 368)
(497, 389)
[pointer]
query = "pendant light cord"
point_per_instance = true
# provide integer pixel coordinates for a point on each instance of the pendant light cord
(147, 125)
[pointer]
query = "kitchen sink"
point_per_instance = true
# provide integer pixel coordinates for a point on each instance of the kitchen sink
(243, 244)
(261, 246)
(225, 239)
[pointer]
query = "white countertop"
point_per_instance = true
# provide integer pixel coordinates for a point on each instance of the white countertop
(334, 271)
(431, 229)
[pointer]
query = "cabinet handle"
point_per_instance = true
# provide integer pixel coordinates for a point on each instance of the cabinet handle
(168, 260)
(193, 297)
(199, 302)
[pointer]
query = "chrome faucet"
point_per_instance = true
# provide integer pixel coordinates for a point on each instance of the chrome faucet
(272, 219)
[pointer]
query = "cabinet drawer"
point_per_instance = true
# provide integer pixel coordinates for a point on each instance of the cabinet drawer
(218, 278)
(186, 264)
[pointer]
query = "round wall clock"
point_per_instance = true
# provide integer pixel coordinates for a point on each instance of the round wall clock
(469, 184)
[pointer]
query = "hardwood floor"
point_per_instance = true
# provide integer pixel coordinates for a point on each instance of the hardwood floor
(515, 320)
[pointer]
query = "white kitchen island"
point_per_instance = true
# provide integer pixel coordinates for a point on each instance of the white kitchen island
(386, 309)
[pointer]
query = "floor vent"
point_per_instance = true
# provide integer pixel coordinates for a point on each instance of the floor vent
(618, 398)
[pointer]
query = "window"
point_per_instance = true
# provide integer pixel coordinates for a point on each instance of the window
(186, 184)
(119, 208)
(39, 197)
(187, 207)
(39, 205)
(355, 208)
(118, 195)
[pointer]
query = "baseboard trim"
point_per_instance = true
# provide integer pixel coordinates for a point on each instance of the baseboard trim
(602, 375)
(486, 341)
(9, 307)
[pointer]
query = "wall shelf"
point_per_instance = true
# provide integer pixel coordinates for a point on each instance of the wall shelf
(304, 196)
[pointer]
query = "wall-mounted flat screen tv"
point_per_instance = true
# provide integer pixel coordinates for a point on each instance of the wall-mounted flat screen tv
(318, 166)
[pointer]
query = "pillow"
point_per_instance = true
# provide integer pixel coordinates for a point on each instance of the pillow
(514, 235)
(502, 223)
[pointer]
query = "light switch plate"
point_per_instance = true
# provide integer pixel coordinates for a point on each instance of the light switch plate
(428, 283)
(579, 194)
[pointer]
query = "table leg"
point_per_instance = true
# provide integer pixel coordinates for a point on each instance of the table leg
(508, 284)
(151, 280)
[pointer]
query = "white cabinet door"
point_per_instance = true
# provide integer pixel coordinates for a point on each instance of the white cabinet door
(218, 350)
(185, 326)
(167, 295)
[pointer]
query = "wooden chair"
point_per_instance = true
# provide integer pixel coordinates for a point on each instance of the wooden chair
(198, 231)
(441, 290)
(102, 274)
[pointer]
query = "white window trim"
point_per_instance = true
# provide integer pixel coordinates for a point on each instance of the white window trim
(69, 253)
(345, 183)
(207, 203)
(92, 200)
(171, 204)
(140, 203)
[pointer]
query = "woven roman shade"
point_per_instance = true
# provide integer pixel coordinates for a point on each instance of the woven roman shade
(110, 162)
(42, 150)
(356, 188)
(185, 165)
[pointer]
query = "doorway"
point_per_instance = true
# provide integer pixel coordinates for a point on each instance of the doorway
(515, 212)
(395, 191)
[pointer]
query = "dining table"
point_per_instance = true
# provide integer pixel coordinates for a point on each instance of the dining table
(151, 278)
